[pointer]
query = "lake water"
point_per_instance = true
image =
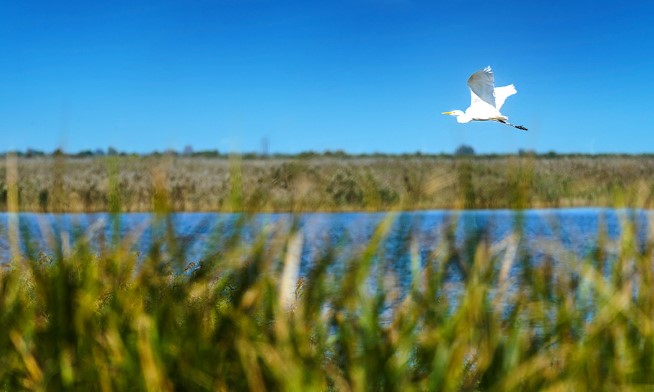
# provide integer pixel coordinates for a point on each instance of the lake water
(570, 230)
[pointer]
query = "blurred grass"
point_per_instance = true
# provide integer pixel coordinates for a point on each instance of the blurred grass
(324, 183)
(243, 318)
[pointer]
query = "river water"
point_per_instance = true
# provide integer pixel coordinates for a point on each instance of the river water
(570, 230)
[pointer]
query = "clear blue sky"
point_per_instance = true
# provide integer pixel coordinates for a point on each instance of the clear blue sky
(356, 75)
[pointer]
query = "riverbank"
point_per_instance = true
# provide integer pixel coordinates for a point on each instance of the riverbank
(324, 183)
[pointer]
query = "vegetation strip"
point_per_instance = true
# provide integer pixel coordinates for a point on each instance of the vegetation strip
(324, 182)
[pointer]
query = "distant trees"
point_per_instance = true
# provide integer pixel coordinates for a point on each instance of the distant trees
(31, 153)
(464, 150)
(85, 154)
(206, 153)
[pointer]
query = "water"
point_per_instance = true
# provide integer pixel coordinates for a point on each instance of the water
(570, 231)
(413, 238)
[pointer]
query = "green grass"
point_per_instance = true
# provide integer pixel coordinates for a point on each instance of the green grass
(79, 318)
(243, 319)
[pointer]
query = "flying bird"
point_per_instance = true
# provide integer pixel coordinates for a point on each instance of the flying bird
(486, 100)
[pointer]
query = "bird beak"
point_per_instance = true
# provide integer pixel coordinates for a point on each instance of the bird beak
(446, 113)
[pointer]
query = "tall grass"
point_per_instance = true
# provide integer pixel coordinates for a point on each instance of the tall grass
(247, 316)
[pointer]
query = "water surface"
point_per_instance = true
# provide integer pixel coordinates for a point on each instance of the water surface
(572, 230)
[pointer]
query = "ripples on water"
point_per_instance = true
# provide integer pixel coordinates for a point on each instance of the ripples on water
(540, 231)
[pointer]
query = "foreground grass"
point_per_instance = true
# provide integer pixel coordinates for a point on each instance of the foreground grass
(88, 314)
(244, 318)
(129, 183)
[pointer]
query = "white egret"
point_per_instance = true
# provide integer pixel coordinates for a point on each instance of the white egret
(486, 100)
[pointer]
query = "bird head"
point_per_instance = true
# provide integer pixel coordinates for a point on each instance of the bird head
(461, 116)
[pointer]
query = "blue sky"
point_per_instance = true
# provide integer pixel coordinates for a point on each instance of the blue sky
(358, 75)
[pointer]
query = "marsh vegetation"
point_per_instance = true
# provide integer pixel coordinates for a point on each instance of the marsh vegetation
(92, 313)
(328, 183)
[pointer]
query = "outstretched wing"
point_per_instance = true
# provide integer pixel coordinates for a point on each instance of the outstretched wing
(501, 93)
(482, 86)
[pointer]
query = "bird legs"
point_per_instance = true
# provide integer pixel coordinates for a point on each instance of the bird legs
(511, 125)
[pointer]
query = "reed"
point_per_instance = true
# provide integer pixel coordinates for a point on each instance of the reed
(90, 313)
(330, 183)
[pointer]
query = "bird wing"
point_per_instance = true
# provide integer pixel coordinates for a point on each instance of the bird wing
(482, 85)
(501, 93)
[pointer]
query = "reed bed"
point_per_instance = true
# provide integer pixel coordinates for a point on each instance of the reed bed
(246, 316)
(88, 312)
(330, 183)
